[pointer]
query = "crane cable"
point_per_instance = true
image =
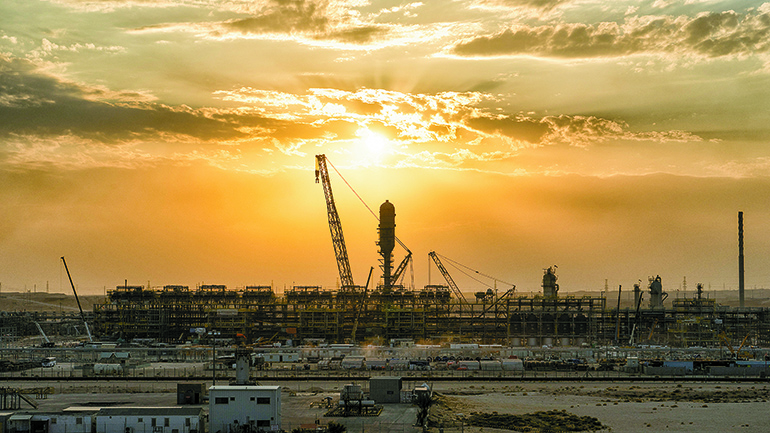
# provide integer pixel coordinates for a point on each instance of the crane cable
(363, 202)
(454, 263)
(457, 265)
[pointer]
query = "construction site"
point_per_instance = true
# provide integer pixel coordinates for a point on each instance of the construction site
(482, 349)
(386, 309)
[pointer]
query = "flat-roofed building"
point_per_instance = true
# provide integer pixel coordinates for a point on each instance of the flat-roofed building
(149, 420)
(385, 389)
(232, 406)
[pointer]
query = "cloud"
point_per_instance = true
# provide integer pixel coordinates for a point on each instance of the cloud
(47, 47)
(710, 34)
(582, 131)
(46, 117)
(319, 20)
(33, 103)
(463, 119)
(523, 128)
(285, 16)
(533, 4)
(107, 6)
(336, 25)
(356, 35)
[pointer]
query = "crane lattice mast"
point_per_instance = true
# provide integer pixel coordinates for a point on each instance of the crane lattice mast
(447, 277)
(335, 226)
(82, 316)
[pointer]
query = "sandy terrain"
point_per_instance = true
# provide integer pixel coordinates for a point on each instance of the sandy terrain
(55, 302)
(626, 407)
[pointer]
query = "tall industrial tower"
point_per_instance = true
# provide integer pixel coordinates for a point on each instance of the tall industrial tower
(387, 242)
(741, 271)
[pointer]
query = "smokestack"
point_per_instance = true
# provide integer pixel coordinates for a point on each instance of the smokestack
(387, 241)
(740, 258)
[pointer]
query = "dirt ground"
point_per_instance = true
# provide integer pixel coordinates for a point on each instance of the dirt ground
(51, 302)
(618, 407)
(626, 407)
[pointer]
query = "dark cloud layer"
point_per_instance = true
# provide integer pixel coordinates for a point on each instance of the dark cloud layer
(33, 103)
(310, 17)
(534, 4)
(285, 16)
(37, 104)
(524, 129)
(710, 35)
(356, 35)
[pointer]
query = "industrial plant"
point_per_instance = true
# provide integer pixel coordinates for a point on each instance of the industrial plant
(377, 331)
(390, 310)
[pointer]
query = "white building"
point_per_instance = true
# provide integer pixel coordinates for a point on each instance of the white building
(71, 421)
(149, 420)
(236, 405)
(280, 356)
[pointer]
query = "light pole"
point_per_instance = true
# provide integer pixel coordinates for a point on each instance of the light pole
(213, 335)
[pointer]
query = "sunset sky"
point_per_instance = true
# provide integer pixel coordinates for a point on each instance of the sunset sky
(173, 141)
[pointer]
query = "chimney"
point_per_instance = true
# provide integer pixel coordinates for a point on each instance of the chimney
(740, 258)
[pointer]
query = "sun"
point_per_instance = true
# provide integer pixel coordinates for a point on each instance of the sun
(374, 147)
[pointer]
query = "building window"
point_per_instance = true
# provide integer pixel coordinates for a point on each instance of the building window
(140, 419)
(154, 422)
(263, 423)
(79, 420)
(53, 420)
(252, 399)
(221, 400)
(232, 398)
(187, 422)
(263, 400)
(166, 422)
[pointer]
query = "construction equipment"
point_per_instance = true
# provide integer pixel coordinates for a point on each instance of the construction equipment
(735, 353)
(402, 266)
(335, 226)
(499, 301)
(447, 277)
(47, 342)
(652, 329)
(638, 295)
(617, 322)
(360, 307)
(82, 316)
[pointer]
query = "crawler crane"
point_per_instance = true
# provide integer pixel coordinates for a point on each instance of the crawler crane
(335, 226)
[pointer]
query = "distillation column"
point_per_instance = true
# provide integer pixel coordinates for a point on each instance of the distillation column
(387, 241)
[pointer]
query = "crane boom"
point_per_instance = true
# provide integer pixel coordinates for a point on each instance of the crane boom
(82, 316)
(402, 267)
(335, 226)
(447, 277)
(360, 307)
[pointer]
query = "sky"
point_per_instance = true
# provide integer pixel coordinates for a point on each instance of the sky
(159, 142)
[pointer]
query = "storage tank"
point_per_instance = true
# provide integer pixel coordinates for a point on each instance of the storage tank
(493, 365)
(512, 364)
(352, 362)
(468, 365)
